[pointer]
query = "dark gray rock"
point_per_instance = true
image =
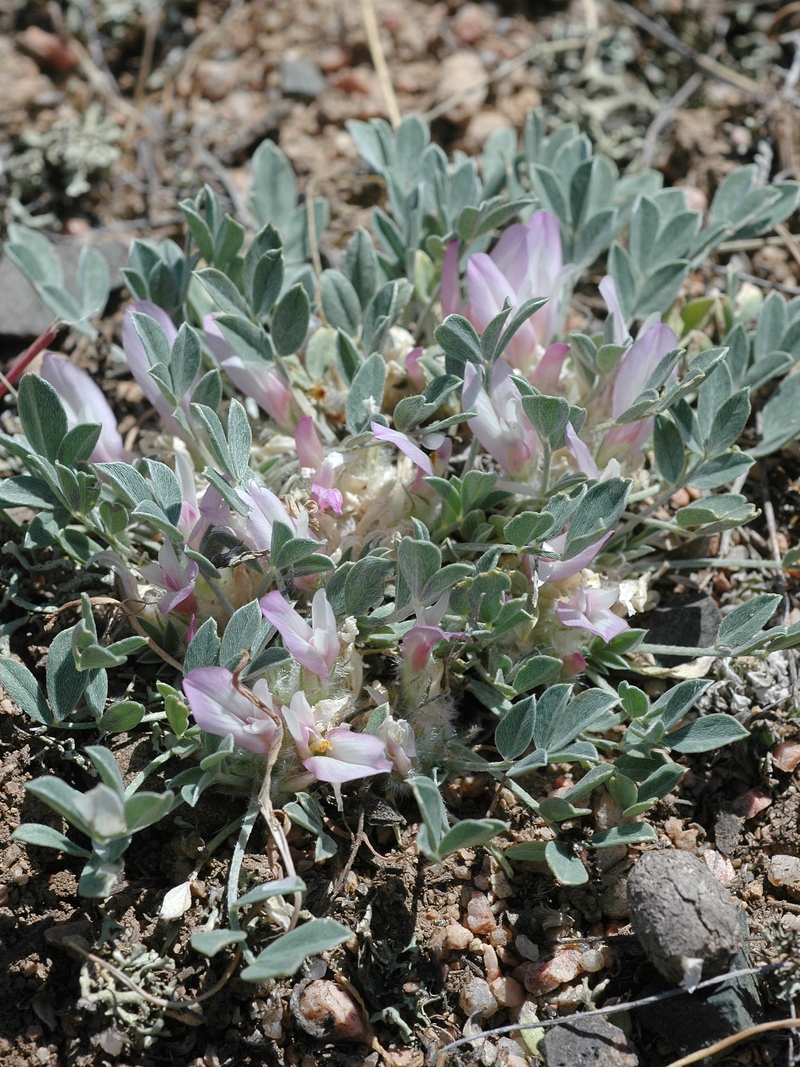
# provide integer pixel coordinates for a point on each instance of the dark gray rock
(692, 619)
(680, 913)
(301, 79)
(22, 313)
(587, 1041)
(695, 1020)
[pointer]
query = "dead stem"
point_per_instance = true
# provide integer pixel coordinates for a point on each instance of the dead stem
(379, 61)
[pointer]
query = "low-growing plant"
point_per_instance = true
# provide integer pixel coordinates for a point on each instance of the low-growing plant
(386, 506)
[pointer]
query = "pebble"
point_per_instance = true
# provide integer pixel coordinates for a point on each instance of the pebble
(456, 938)
(784, 873)
(786, 756)
(479, 915)
(217, 78)
(544, 977)
(47, 49)
(594, 1041)
(507, 992)
(526, 948)
(477, 999)
(459, 72)
(490, 964)
(301, 79)
(325, 1009)
(471, 23)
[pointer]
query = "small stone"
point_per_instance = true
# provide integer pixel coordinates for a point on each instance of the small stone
(490, 964)
(786, 756)
(47, 49)
(217, 78)
(680, 912)
(587, 1041)
(526, 948)
(614, 900)
(544, 977)
(784, 873)
(479, 915)
(507, 992)
(751, 803)
(471, 23)
(301, 79)
(332, 59)
(693, 619)
(456, 938)
(477, 999)
(592, 960)
(460, 72)
(326, 1010)
(719, 865)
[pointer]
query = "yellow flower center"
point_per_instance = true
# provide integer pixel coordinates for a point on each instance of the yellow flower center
(319, 746)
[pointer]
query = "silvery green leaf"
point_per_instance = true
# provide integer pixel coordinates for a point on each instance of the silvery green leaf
(642, 232)
(286, 955)
(101, 810)
(265, 285)
(745, 621)
(128, 482)
(365, 397)
(107, 767)
(222, 291)
(364, 584)
(243, 630)
(79, 444)
(491, 335)
(280, 887)
(686, 421)
(204, 648)
(729, 422)
(41, 836)
(460, 343)
(167, 489)
(417, 563)
(34, 255)
(121, 717)
(594, 237)
(23, 689)
(781, 417)
(62, 799)
(661, 782)
(720, 471)
(274, 186)
(306, 812)
(547, 186)
(565, 864)
(185, 360)
(518, 319)
(713, 393)
(153, 339)
(705, 734)
(548, 414)
(716, 513)
(290, 320)
(227, 241)
(26, 491)
(529, 527)
(210, 942)
(597, 513)
(556, 809)
(383, 311)
(373, 141)
(558, 722)
(44, 421)
(98, 877)
(145, 809)
(636, 833)
(536, 670)
(469, 833)
(94, 281)
(676, 237)
(514, 732)
(248, 340)
(620, 266)
(676, 702)
(659, 291)
(149, 510)
(593, 778)
(65, 684)
(198, 228)
(775, 365)
(340, 301)
(216, 437)
(359, 264)
(669, 449)
(240, 439)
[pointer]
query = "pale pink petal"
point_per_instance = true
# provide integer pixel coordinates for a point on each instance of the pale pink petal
(638, 364)
(83, 402)
(310, 452)
(296, 633)
(547, 373)
(218, 708)
(580, 452)
(406, 446)
(451, 290)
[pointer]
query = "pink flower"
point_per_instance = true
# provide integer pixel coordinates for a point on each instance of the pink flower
(401, 748)
(220, 708)
(416, 375)
(264, 509)
(337, 755)
(526, 263)
(178, 580)
(254, 378)
(547, 373)
(501, 425)
(405, 444)
(83, 401)
(451, 289)
(312, 456)
(608, 291)
(315, 647)
(633, 373)
(590, 609)
(139, 362)
(558, 570)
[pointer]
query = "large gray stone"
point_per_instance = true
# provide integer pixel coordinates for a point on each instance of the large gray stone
(582, 1042)
(22, 313)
